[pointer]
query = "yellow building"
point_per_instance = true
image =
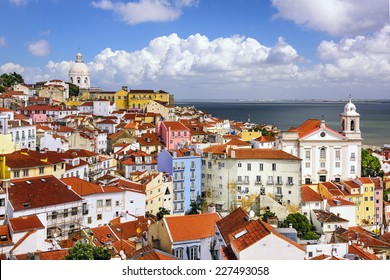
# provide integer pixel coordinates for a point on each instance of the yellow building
(359, 191)
(139, 99)
(7, 146)
(121, 100)
(20, 165)
(248, 136)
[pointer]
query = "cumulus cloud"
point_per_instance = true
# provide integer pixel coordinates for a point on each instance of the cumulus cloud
(237, 66)
(134, 12)
(335, 17)
(39, 48)
(363, 57)
(3, 42)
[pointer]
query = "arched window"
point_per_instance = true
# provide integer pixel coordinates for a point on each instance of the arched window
(86, 81)
(78, 80)
(352, 125)
(322, 153)
(71, 80)
(343, 125)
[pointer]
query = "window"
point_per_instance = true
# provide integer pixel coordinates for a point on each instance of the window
(337, 164)
(353, 157)
(74, 211)
(239, 164)
(290, 180)
(322, 153)
(117, 203)
(239, 179)
(307, 155)
(258, 179)
(2, 202)
(261, 167)
(338, 155)
(25, 173)
(270, 180)
(193, 253)
(54, 215)
(99, 203)
(322, 178)
(99, 217)
(16, 174)
(246, 179)
(274, 167)
(279, 180)
(352, 168)
(307, 164)
(108, 202)
(249, 167)
(179, 253)
(41, 170)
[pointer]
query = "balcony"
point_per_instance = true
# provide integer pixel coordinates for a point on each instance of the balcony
(178, 168)
(258, 183)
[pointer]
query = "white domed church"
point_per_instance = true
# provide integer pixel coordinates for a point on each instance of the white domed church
(79, 74)
(326, 154)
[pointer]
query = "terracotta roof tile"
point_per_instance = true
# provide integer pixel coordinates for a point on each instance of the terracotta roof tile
(308, 195)
(190, 227)
(83, 188)
(175, 125)
(39, 192)
(262, 154)
(25, 223)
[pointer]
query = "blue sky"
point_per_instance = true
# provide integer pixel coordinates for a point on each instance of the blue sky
(257, 49)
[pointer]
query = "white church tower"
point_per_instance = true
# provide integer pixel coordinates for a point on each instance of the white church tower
(350, 122)
(79, 74)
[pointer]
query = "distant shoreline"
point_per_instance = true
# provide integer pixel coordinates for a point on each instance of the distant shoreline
(295, 101)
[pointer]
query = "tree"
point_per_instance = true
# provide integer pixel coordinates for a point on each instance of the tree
(301, 224)
(7, 80)
(161, 212)
(268, 214)
(371, 165)
(195, 208)
(73, 89)
(101, 253)
(85, 251)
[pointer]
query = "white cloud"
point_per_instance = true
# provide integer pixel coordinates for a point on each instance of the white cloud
(11, 67)
(39, 48)
(336, 17)
(3, 42)
(19, 2)
(238, 67)
(362, 57)
(135, 12)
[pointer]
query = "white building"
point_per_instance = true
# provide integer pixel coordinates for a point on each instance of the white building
(58, 207)
(233, 176)
(102, 107)
(103, 204)
(54, 142)
(79, 74)
(342, 208)
(326, 154)
(240, 237)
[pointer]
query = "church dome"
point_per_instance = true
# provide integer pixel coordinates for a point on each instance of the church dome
(79, 67)
(350, 109)
(79, 74)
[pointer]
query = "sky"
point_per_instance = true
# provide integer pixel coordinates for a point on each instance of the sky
(205, 49)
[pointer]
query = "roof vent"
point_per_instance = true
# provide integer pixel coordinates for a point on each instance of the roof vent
(28, 182)
(241, 233)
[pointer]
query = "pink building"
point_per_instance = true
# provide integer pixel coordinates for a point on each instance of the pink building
(39, 118)
(174, 133)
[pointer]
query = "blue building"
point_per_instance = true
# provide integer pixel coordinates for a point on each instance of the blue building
(185, 166)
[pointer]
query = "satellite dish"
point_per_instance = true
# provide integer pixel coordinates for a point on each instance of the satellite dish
(251, 213)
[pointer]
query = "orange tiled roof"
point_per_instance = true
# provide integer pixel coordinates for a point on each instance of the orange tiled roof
(82, 187)
(150, 253)
(191, 227)
(308, 194)
(342, 201)
(262, 154)
(39, 192)
(175, 125)
(25, 223)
